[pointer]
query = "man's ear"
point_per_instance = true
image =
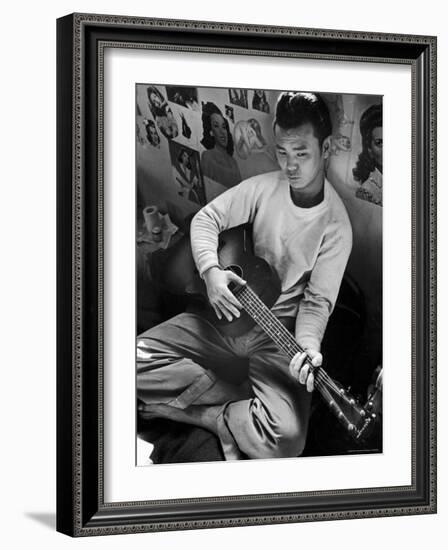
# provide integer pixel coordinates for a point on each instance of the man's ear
(326, 147)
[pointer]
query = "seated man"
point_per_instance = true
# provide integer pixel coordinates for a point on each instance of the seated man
(301, 228)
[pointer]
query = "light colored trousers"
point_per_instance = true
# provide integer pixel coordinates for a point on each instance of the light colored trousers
(186, 361)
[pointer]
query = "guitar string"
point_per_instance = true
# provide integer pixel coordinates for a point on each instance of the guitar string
(280, 335)
(264, 314)
(292, 342)
(267, 316)
(343, 419)
(260, 309)
(264, 318)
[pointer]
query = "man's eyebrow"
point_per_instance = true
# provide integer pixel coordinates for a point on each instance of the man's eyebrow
(297, 148)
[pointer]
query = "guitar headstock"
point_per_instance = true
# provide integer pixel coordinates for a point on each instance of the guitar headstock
(358, 420)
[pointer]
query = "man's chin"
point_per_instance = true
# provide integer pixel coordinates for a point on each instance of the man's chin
(297, 183)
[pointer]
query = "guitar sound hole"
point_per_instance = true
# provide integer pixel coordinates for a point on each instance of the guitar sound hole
(238, 270)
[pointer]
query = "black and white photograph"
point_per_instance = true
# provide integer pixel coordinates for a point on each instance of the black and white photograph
(260, 102)
(369, 166)
(248, 137)
(183, 95)
(230, 113)
(187, 176)
(259, 296)
(162, 113)
(246, 313)
(236, 309)
(152, 135)
(217, 159)
(238, 97)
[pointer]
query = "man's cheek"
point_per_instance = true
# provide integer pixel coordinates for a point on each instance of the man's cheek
(281, 162)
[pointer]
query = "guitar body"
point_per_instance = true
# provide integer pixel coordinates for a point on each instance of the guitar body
(235, 252)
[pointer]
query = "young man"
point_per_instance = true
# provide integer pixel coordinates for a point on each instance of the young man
(301, 228)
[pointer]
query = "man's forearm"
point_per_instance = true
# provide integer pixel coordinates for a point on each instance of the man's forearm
(311, 323)
(204, 235)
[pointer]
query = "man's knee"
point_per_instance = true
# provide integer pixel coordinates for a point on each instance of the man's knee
(290, 440)
(285, 438)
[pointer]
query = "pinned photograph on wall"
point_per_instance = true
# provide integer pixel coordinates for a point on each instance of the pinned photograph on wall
(248, 137)
(229, 113)
(356, 147)
(186, 130)
(152, 136)
(238, 97)
(217, 161)
(260, 102)
(341, 111)
(256, 155)
(185, 96)
(368, 171)
(187, 175)
(162, 113)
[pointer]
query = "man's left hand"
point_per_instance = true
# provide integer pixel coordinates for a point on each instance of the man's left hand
(300, 368)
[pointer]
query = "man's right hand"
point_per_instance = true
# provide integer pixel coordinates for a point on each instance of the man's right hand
(221, 298)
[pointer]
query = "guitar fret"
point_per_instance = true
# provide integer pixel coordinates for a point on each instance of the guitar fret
(282, 337)
(285, 341)
(269, 323)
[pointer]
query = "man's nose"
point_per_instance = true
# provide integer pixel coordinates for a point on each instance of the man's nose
(291, 165)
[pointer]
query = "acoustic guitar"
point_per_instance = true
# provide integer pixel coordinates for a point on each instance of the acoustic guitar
(235, 252)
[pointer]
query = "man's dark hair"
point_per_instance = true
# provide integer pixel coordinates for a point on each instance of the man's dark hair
(297, 108)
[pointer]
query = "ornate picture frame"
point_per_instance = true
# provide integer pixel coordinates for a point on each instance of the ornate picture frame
(82, 40)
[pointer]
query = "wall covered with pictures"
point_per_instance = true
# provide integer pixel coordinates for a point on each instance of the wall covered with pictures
(194, 143)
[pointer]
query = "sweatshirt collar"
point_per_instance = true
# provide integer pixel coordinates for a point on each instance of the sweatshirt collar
(298, 209)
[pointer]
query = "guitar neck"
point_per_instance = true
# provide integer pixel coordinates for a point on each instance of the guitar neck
(266, 320)
(286, 342)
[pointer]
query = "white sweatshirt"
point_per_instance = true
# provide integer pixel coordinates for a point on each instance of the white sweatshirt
(308, 247)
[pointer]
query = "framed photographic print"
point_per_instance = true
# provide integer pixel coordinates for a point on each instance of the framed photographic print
(246, 276)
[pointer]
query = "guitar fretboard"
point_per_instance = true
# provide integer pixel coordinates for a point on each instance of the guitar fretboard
(266, 320)
(286, 342)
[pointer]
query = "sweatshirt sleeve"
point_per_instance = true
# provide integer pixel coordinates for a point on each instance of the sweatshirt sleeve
(234, 207)
(322, 289)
